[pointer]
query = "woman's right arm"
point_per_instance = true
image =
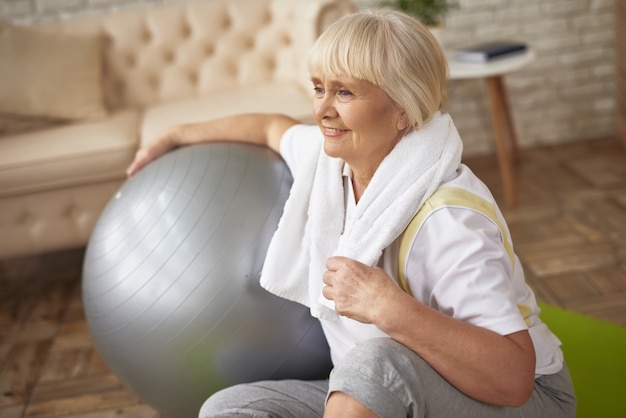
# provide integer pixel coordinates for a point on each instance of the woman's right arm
(261, 129)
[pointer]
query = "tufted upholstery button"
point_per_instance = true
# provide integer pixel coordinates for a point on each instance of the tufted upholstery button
(146, 35)
(227, 23)
(168, 56)
(193, 77)
(209, 50)
(153, 81)
(248, 44)
(286, 39)
(270, 63)
(131, 60)
(186, 30)
(231, 69)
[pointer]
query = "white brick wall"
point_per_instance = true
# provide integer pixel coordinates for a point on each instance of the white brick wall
(566, 94)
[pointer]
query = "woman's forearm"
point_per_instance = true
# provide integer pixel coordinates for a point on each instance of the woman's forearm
(484, 365)
(261, 129)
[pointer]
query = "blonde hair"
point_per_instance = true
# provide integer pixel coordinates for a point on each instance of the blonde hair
(390, 50)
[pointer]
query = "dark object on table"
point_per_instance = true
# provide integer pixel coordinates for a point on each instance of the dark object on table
(488, 51)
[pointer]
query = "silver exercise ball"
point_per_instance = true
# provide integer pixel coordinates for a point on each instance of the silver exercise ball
(170, 280)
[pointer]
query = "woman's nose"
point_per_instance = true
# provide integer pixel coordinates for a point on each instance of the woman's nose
(324, 107)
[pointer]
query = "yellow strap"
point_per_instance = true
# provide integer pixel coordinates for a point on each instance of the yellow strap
(446, 196)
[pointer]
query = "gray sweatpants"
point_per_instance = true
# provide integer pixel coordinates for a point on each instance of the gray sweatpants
(392, 381)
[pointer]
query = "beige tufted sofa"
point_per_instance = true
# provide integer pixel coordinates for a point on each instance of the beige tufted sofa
(159, 66)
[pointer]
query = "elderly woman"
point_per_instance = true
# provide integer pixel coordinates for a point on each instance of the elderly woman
(444, 326)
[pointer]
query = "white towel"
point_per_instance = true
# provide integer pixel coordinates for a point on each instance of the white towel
(312, 226)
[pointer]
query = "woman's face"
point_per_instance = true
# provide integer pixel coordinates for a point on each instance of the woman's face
(359, 121)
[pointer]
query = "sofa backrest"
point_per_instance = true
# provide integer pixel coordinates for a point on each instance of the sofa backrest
(183, 50)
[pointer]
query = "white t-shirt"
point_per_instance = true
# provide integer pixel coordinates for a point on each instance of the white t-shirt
(457, 264)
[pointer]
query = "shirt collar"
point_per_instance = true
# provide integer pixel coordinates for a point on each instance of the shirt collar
(347, 171)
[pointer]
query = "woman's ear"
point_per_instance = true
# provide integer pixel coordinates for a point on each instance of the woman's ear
(403, 122)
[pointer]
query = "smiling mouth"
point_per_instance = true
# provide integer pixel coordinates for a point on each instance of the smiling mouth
(333, 131)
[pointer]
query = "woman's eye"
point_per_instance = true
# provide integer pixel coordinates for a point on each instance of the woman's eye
(344, 93)
(318, 90)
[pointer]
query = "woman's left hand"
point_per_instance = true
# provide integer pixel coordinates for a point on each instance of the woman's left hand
(358, 290)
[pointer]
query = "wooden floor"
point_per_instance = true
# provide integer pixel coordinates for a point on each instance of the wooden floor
(569, 230)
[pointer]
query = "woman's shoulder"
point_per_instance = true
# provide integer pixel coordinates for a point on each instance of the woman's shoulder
(461, 203)
(466, 198)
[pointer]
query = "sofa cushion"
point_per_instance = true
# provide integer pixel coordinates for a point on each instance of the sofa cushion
(11, 124)
(71, 155)
(273, 97)
(50, 75)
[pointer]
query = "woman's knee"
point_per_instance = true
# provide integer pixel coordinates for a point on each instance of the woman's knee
(223, 402)
(382, 375)
(266, 399)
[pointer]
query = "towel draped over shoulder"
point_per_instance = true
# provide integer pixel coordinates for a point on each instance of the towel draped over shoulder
(312, 227)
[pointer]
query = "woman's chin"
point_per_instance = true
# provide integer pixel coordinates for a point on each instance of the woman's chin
(332, 149)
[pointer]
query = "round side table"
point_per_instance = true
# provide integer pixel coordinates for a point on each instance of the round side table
(501, 118)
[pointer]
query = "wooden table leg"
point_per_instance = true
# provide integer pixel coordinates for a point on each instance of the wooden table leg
(502, 122)
(508, 119)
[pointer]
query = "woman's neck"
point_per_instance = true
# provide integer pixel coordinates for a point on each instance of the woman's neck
(359, 184)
